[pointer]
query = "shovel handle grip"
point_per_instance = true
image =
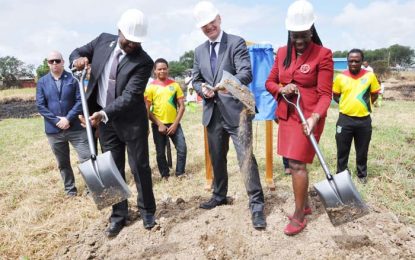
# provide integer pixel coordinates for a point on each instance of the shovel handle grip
(311, 136)
(80, 76)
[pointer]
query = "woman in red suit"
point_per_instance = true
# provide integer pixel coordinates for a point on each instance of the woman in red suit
(303, 65)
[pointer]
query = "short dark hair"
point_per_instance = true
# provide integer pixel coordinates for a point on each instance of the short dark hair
(160, 60)
(355, 50)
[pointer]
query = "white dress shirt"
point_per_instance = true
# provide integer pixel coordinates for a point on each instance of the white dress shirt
(218, 43)
(103, 80)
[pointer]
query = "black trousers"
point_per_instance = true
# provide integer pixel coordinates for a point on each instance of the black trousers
(138, 159)
(350, 128)
(219, 133)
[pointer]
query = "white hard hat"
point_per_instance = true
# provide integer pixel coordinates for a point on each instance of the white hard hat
(133, 25)
(300, 16)
(204, 13)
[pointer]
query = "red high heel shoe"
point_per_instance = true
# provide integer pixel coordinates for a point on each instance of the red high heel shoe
(291, 230)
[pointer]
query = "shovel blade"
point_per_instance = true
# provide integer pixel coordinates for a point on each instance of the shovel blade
(239, 91)
(341, 199)
(104, 181)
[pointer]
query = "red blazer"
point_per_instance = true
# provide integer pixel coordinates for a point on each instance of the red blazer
(312, 72)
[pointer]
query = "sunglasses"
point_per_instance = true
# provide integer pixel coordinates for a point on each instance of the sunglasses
(55, 61)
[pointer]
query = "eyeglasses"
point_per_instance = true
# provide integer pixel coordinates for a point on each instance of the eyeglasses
(55, 61)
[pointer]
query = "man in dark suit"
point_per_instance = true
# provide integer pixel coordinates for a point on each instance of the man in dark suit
(59, 102)
(120, 69)
(221, 110)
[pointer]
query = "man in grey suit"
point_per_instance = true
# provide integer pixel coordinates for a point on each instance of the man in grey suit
(120, 69)
(221, 110)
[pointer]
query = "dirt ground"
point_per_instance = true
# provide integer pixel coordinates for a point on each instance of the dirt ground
(17, 108)
(399, 89)
(186, 232)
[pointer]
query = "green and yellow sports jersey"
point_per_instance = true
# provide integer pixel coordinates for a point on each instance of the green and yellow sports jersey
(163, 98)
(354, 91)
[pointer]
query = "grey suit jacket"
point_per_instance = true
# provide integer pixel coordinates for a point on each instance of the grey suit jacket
(233, 57)
(127, 113)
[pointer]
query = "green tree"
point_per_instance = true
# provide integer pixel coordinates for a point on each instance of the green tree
(380, 67)
(340, 54)
(187, 59)
(11, 69)
(375, 55)
(43, 69)
(176, 68)
(400, 55)
(393, 55)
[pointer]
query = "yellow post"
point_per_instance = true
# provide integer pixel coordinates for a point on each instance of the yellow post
(269, 180)
(208, 163)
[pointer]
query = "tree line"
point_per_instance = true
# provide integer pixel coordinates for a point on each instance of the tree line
(383, 59)
(12, 69)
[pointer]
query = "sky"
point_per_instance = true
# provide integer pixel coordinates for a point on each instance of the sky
(30, 29)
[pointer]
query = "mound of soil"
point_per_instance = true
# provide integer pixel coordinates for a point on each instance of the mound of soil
(186, 232)
(17, 108)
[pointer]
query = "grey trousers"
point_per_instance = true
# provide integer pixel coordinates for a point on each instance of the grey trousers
(60, 147)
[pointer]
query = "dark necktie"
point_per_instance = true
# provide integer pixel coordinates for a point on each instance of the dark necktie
(112, 78)
(213, 57)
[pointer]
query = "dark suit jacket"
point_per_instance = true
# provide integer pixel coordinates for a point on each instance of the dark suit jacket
(51, 103)
(127, 113)
(233, 57)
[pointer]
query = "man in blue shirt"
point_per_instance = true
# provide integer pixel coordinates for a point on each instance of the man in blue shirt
(59, 102)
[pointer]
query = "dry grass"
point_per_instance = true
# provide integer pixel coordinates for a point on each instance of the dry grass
(37, 220)
(18, 93)
(407, 75)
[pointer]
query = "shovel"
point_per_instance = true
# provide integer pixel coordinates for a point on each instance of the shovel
(340, 197)
(100, 173)
(239, 91)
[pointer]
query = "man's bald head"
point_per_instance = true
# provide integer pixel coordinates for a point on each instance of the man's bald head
(55, 63)
(55, 55)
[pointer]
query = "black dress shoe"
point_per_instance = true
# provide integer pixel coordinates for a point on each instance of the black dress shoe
(113, 229)
(210, 204)
(149, 221)
(258, 220)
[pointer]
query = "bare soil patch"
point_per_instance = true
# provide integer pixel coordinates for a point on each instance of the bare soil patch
(399, 89)
(186, 232)
(16, 107)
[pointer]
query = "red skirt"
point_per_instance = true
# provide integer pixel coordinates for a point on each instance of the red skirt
(293, 143)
